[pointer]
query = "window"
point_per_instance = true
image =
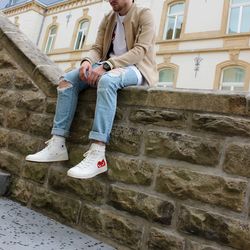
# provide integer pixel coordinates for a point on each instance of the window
(233, 78)
(174, 21)
(239, 16)
(51, 39)
(166, 77)
(81, 34)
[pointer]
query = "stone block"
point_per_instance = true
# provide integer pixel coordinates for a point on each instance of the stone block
(125, 140)
(22, 82)
(35, 171)
(4, 182)
(226, 125)
(21, 190)
(160, 239)
(91, 218)
(212, 189)
(89, 189)
(145, 205)
(237, 159)
(184, 147)
(79, 132)
(6, 78)
(129, 170)
(10, 162)
(170, 119)
(23, 143)
(17, 119)
(192, 245)
(76, 153)
(121, 229)
(51, 105)
(41, 124)
(3, 137)
(3, 116)
(6, 62)
(57, 205)
(30, 100)
(215, 227)
(9, 98)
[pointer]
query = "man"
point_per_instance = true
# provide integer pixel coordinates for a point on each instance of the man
(123, 55)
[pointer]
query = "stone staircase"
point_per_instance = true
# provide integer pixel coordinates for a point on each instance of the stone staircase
(4, 182)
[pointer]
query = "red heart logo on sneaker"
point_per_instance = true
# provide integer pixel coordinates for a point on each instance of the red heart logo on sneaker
(101, 164)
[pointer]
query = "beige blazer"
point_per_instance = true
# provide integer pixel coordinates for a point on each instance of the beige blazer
(140, 38)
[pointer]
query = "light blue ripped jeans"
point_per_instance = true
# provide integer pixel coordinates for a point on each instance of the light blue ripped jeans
(106, 101)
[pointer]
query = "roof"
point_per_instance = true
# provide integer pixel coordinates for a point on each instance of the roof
(9, 3)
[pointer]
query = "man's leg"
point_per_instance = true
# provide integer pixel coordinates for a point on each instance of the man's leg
(95, 161)
(68, 90)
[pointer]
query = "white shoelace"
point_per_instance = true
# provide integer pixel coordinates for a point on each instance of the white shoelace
(90, 157)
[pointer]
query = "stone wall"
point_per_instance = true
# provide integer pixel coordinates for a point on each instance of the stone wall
(179, 161)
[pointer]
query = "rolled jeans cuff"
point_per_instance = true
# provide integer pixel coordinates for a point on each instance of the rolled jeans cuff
(61, 132)
(98, 137)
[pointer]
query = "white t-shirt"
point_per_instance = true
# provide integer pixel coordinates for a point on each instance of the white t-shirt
(120, 46)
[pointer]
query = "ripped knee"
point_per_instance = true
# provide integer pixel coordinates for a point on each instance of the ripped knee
(64, 85)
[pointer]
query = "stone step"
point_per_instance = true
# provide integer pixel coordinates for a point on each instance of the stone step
(24, 229)
(4, 182)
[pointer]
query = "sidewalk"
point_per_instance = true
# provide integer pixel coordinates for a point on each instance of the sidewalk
(24, 229)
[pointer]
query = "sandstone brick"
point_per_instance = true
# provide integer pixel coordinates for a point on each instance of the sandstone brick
(6, 79)
(35, 171)
(191, 245)
(41, 124)
(123, 230)
(129, 170)
(22, 82)
(23, 143)
(56, 205)
(222, 124)
(213, 189)
(51, 106)
(3, 137)
(9, 98)
(142, 204)
(6, 62)
(184, 147)
(126, 140)
(10, 162)
(237, 160)
(79, 132)
(91, 218)
(31, 100)
(3, 115)
(161, 239)
(89, 189)
(17, 119)
(185, 100)
(21, 190)
(171, 119)
(76, 153)
(224, 230)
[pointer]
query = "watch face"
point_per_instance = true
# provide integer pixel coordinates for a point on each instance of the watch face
(106, 66)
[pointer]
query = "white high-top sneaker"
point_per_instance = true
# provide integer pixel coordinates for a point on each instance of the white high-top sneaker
(93, 164)
(55, 151)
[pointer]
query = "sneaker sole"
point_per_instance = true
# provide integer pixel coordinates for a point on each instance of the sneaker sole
(51, 160)
(86, 176)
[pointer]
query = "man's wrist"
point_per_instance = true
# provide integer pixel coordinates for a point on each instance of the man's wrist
(107, 66)
(85, 60)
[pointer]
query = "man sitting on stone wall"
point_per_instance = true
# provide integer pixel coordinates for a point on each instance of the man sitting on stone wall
(123, 55)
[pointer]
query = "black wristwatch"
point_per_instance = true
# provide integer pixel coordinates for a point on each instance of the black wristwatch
(106, 66)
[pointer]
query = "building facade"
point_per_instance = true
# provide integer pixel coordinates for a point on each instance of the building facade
(201, 44)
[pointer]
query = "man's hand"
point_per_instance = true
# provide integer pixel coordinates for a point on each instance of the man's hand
(85, 70)
(95, 75)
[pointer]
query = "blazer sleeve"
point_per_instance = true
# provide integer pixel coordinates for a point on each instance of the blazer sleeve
(144, 39)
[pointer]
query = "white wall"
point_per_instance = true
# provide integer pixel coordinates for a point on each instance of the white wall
(204, 15)
(30, 24)
(205, 75)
